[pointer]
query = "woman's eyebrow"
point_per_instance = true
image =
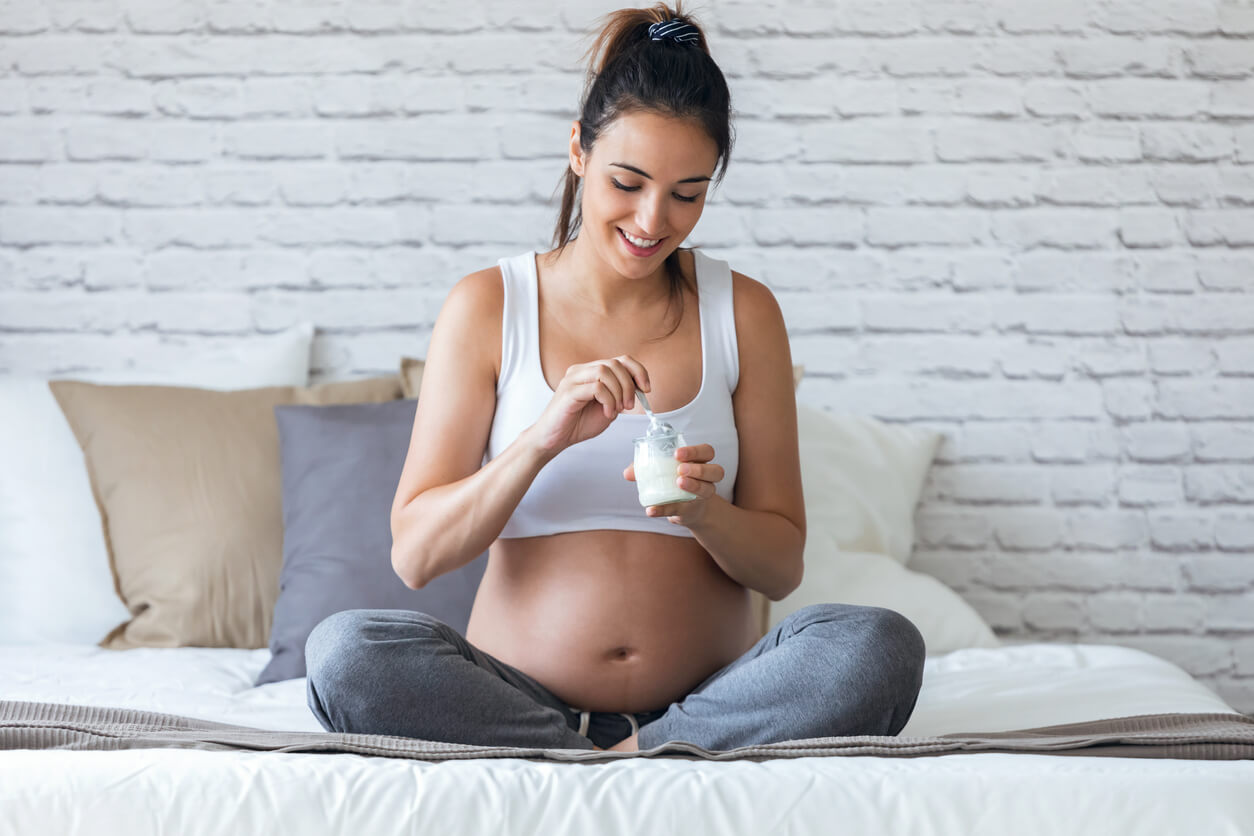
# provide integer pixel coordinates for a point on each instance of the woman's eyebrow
(645, 175)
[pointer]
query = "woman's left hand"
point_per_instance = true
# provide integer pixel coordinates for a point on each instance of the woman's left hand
(696, 475)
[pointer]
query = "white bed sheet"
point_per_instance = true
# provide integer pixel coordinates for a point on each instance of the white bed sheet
(986, 689)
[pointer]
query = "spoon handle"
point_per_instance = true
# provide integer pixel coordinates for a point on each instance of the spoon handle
(644, 402)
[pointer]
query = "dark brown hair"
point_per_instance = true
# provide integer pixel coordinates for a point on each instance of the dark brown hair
(629, 72)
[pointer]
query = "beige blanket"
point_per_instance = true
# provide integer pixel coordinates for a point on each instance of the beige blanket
(34, 725)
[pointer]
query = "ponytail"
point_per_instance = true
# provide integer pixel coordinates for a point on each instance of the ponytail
(629, 72)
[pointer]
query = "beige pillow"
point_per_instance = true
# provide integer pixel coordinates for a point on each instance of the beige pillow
(188, 486)
(411, 376)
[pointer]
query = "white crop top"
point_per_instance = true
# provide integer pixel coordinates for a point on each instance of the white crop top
(582, 487)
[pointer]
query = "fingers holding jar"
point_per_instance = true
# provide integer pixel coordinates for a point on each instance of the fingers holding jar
(677, 486)
(695, 471)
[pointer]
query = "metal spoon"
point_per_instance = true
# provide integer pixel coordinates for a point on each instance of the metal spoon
(656, 427)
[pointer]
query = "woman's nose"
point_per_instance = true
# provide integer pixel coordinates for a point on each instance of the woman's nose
(651, 216)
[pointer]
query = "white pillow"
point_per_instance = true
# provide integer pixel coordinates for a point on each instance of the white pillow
(55, 583)
(832, 576)
(862, 479)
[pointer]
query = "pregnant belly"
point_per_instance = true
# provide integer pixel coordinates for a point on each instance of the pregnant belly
(611, 620)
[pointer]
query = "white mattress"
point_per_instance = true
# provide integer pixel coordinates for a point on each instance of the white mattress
(189, 792)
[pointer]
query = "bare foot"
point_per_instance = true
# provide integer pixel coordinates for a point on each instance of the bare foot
(627, 744)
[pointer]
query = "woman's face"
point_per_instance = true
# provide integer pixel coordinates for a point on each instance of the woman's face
(646, 177)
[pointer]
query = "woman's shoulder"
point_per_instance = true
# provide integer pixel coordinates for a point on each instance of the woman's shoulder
(474, 308)
(756, 310)
(478, 294)
(753, 292)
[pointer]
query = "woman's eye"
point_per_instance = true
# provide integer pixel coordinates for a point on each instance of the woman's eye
(619, 185)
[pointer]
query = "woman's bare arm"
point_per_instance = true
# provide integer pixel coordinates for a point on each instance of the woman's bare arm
(759, 540)
(449, 506)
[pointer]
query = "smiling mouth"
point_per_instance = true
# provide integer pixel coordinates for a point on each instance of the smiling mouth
(635, 248)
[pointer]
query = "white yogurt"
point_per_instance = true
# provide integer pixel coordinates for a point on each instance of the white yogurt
(656, 478)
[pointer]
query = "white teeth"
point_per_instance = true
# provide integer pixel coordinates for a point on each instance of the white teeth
(642, 243)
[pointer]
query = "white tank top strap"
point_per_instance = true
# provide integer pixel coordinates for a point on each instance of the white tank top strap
(719, 315)
(517, 318)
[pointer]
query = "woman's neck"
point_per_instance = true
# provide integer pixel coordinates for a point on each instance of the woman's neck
(583, 278)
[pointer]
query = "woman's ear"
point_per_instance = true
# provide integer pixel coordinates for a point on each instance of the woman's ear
(576, 152)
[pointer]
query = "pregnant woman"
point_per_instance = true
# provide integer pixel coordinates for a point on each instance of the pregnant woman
(600, 623)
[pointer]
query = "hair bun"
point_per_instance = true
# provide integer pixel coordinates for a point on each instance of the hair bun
(674, 30)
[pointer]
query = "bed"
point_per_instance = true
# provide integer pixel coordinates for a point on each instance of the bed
(192, 792)
(104, 730)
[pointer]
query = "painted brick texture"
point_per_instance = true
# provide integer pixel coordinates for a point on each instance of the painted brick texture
(1027, 224)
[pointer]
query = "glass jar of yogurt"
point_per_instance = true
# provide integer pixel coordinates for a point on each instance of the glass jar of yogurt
(656, 469)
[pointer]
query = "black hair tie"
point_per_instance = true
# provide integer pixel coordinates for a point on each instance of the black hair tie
(675, 30)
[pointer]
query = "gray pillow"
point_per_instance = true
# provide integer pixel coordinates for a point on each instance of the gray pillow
(340, 467)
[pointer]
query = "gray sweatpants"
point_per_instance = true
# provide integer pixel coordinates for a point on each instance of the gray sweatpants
(826, 670)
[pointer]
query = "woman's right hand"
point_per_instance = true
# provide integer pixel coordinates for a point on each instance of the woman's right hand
(587, 401)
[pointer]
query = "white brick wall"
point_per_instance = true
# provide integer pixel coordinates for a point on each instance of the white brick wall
(1026, 223)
